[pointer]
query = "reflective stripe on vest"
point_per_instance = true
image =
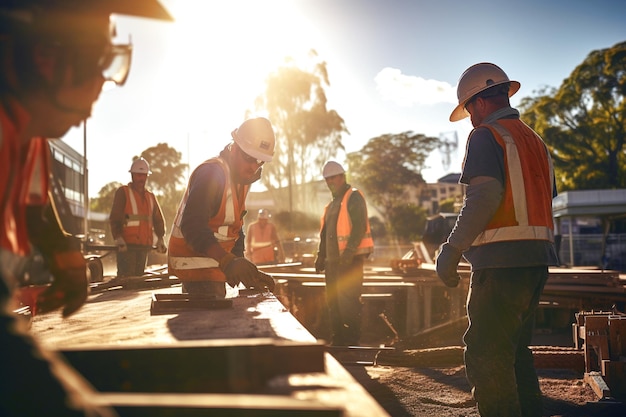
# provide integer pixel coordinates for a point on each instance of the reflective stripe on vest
(137, 229)
(344, 226)
(189, 265)
(521, 227)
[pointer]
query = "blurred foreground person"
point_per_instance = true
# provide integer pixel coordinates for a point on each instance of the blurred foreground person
(135, 220)
(505, 231)
(206, 248)
(345, 243)
(55, 56)
(263, 246)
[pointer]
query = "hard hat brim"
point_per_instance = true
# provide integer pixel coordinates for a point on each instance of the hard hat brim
(459, 112)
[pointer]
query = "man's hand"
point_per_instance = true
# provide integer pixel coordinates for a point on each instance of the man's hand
(160, 246)
(446, 264)
(238, 270)
(263, 281)
(320, 264)
(121, 244)
(68, 290)
(346, 257)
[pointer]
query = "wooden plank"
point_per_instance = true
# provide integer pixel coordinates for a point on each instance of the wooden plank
(617, 337)
(222, 405)
(597, 384)
(596, 342)
(167, 303)
(231, 365)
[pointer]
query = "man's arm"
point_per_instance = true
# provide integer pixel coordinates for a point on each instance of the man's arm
(206, 188)
(158, 221)
(117, 217)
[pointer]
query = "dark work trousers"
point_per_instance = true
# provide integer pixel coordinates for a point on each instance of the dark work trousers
(501, 307)
(36, 382)
(132, 262)
(344, 285)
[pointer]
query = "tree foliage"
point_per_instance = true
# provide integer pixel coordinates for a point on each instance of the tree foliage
(103, 202)
(307, 132)
(584, 122)
(407, 222)
(167, 178)
(387, 165)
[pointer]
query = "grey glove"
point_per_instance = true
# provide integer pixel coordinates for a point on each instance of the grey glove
(320, 264)
(238, 270)
(121, 244)
(446, 264)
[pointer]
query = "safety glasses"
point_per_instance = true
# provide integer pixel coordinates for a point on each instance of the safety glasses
(115, 63)
(89, 60)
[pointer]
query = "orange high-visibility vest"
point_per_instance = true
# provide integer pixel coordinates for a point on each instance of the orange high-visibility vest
(262, 243)
(525, 212)
(189, 265)
(24, 180)
(137, 229)
(344, 226)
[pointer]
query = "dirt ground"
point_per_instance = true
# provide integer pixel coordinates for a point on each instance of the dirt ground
(444, 392)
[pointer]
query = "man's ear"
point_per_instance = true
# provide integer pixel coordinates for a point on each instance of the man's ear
(45, 59)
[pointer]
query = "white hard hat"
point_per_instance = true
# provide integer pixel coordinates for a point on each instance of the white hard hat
(140, 166)
(475, 79)
(264, 214)
(256, 138)
(332, 168)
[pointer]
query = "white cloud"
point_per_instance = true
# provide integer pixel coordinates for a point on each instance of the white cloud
(407, 90)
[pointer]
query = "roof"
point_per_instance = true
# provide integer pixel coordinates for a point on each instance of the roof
(610, 203)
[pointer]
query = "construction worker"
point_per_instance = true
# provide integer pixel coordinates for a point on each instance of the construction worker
(345, 244)
(55, 55)
(506, 232)
(263, 247)
(135, 220)
(206, 248)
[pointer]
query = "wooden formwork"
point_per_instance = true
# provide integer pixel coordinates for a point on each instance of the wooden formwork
(602, 337)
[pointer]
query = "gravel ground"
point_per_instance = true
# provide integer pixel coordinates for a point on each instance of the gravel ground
(444, 392)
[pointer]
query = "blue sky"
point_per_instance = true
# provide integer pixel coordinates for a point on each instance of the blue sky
(393, 66)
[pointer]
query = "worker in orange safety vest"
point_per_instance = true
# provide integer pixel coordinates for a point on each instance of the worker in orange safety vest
(505, 230)
(263, 247)
(206, 247)
(55, 56)
(136, 221)
(345, 243)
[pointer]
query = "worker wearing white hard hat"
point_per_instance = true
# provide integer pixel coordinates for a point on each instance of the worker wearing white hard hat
(345, 243)
(135, 219)
(210, 217)
(506, 232)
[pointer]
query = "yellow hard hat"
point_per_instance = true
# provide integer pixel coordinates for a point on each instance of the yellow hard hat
(475, 79)
(256, 138)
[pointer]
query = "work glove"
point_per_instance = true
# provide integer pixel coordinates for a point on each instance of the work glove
(160, 246)
(260, 282)
(238, 269)
(70, 287)
(121, 244)
(346, 258)
(446, 264)
(320, 264)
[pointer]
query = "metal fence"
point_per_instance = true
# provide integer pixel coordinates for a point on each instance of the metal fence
(587, 251)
